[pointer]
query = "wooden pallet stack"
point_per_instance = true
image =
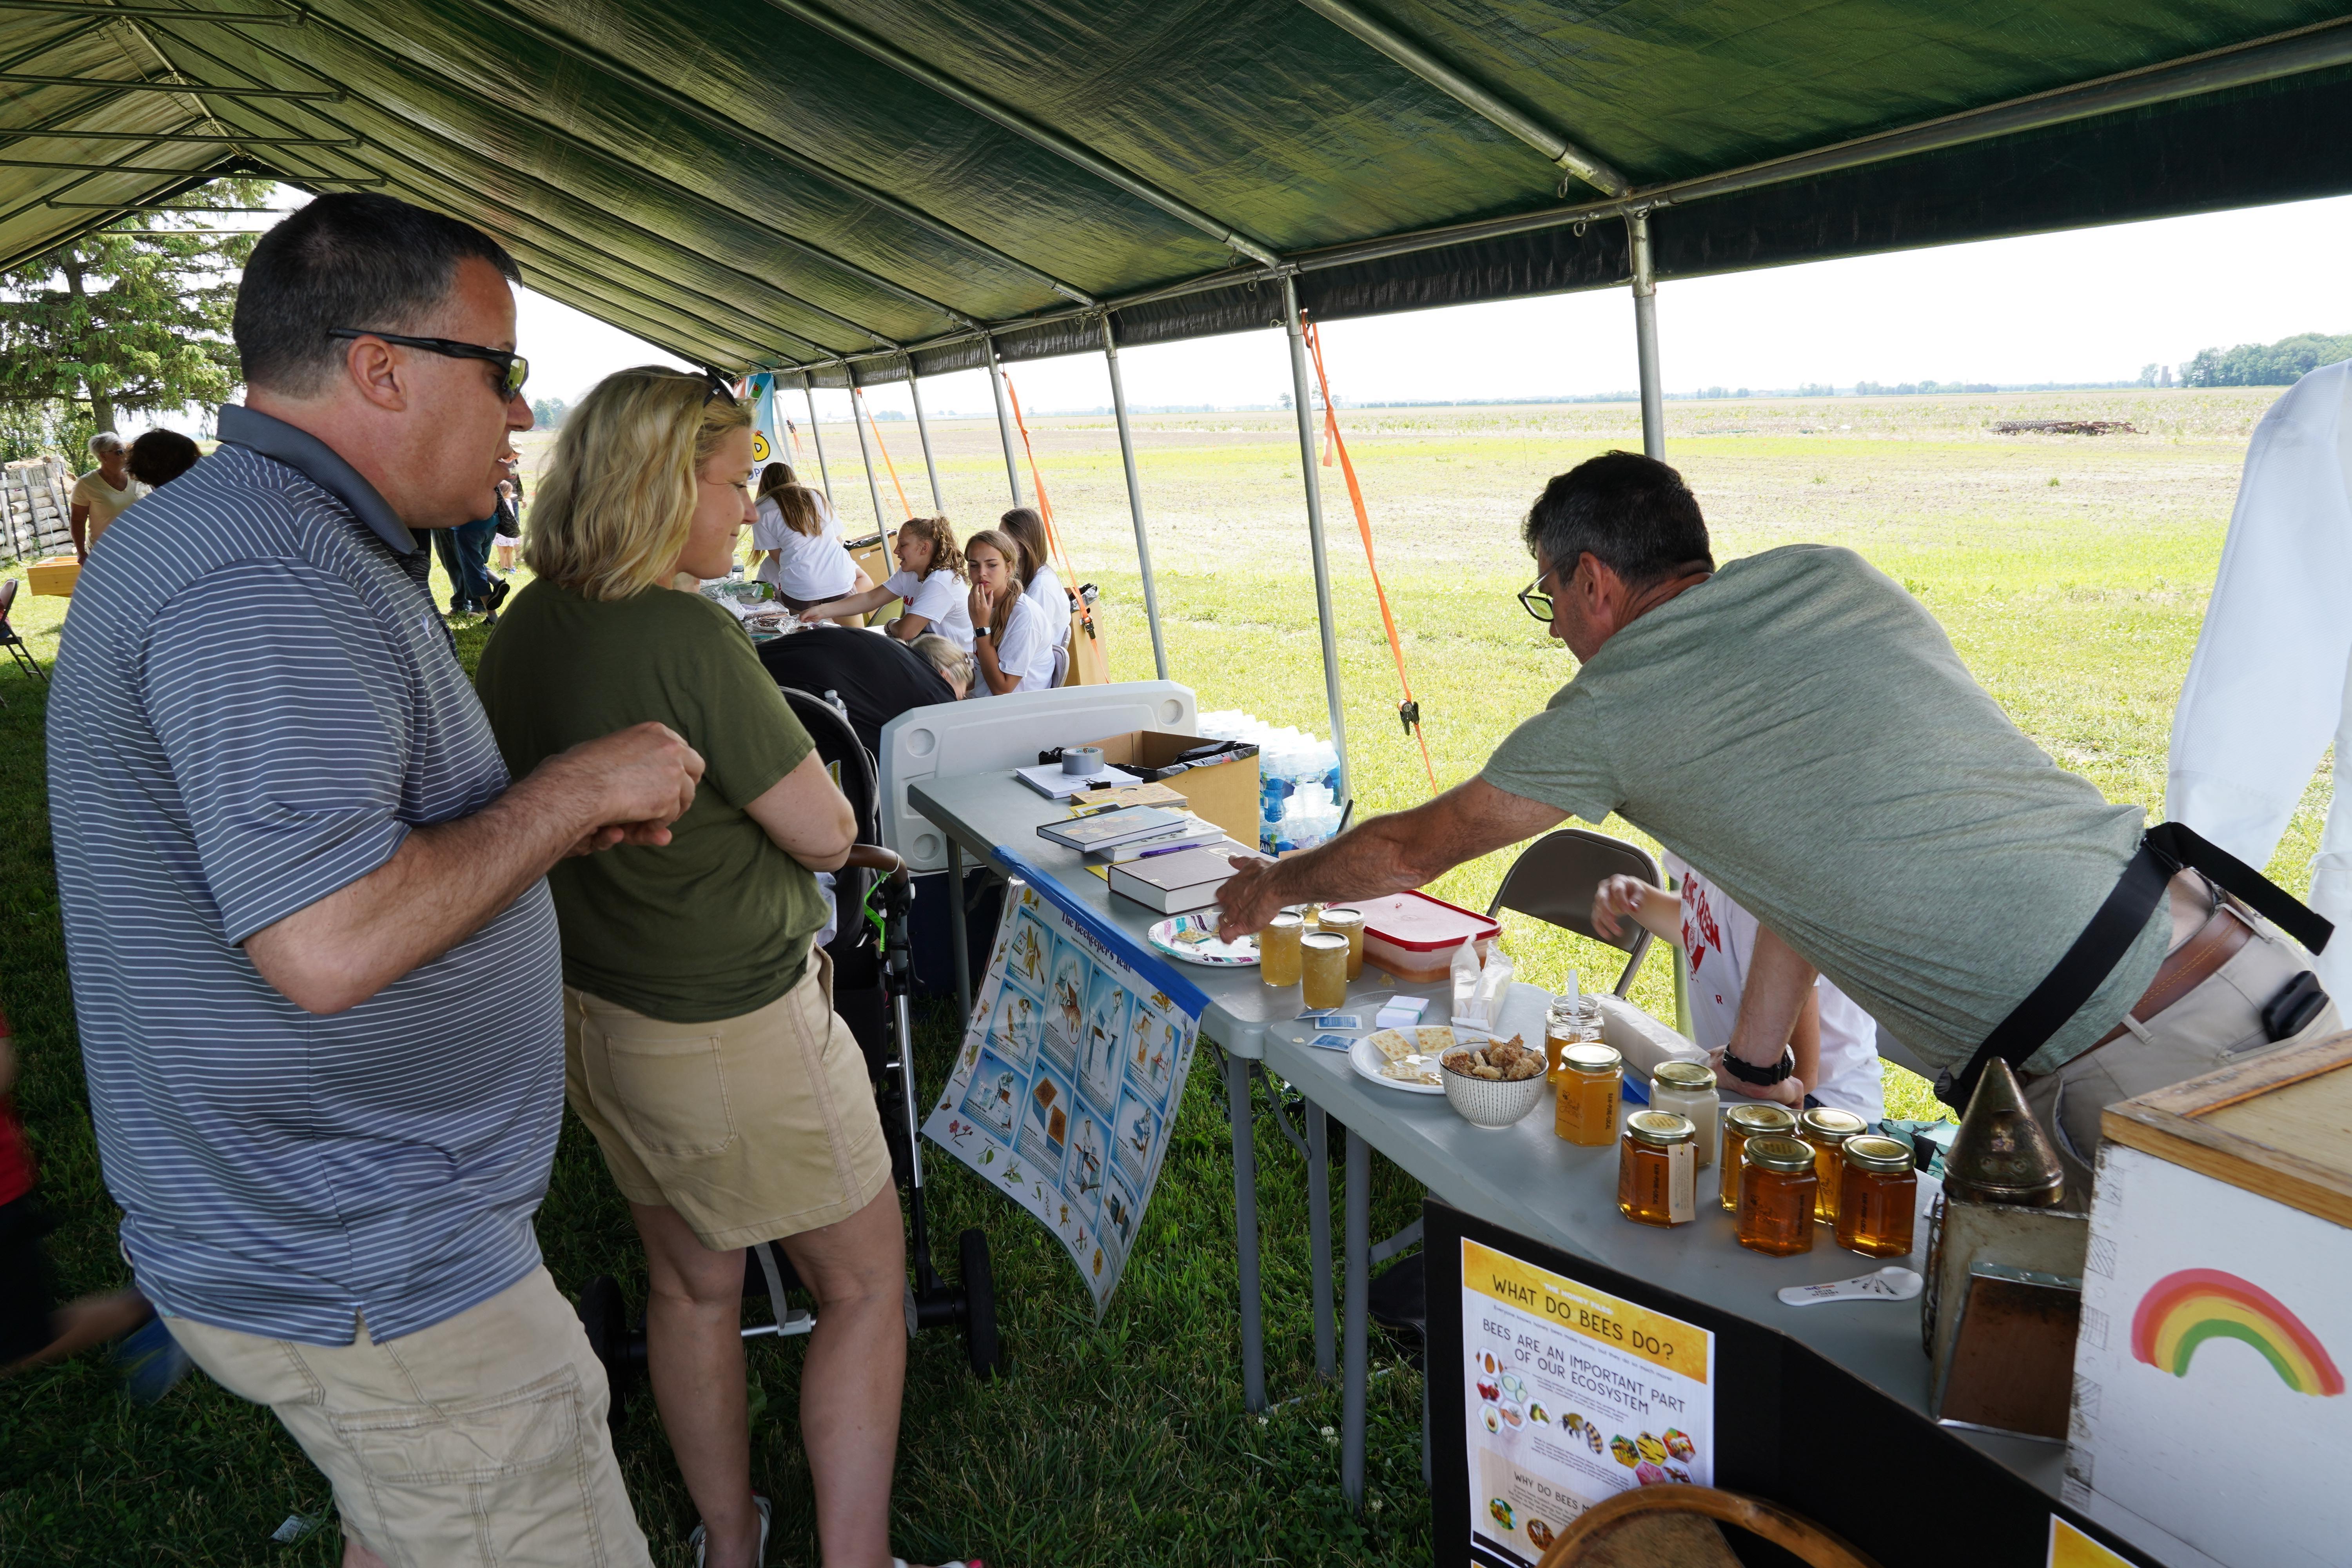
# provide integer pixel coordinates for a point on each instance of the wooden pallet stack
(34, 496)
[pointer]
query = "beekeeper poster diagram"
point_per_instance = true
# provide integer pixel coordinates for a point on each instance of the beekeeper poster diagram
(1573, 1396)
(1072, 1065)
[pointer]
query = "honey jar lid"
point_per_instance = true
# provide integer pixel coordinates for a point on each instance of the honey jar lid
(1877, 1155)
(1590, 1057)
(1285, 919)
(1760, 1120)
(1323, 939)
(1692, 1076)
(1783, 1155)
(1661, 1127)
(1831, 1126)
(1341, 915)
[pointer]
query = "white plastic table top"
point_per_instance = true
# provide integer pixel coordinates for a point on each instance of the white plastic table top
(980, 811)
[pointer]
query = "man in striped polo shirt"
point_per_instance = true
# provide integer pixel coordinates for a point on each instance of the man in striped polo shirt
(313, 956)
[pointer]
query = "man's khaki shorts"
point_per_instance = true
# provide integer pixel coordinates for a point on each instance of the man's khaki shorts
(478, 1442)
(752, 1129)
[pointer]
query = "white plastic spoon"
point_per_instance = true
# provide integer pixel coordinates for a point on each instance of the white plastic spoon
(1892, 1283)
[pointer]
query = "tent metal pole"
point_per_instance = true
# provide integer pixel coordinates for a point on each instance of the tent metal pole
(865, 455)
(1135, 502)
(914, 386)
(1003, 420)
(1323, 616)
(816, 439)
(1645, 337)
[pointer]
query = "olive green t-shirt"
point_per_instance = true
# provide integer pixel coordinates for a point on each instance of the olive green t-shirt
(1800, 730)
(717, 922)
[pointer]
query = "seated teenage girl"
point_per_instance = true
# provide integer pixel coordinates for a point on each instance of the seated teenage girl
(796, 543)
(930, 579)
(1011, 642)
(1045, 590)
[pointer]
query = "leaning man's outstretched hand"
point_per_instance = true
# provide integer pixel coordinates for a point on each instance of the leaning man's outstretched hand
(1247, 899)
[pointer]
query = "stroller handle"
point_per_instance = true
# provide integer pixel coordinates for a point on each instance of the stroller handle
(875, 857)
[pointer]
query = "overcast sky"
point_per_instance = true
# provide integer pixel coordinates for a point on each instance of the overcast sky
(2091, 305)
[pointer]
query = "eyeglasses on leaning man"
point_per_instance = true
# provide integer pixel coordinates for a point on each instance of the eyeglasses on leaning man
(513, 369)
(1536, 601)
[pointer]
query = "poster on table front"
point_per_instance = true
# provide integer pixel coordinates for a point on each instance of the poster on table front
(1571, 1396)
(1066, 1085)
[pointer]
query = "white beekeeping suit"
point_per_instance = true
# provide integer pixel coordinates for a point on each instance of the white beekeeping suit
(2271, 683)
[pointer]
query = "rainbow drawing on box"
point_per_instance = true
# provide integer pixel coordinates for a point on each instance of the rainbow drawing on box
(2182, 1311)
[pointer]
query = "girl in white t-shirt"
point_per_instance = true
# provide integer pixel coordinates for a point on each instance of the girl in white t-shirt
(930, 579)
(1011, 644)
(796, 543)
(1836, 1043)
(1045, 590)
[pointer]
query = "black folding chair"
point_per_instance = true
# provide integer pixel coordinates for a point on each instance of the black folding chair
(9, 636)
(1554, 880)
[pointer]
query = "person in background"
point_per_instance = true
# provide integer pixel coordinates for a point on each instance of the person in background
(464, 556)
(1044, 586)
(876, 679)
(796, 543)
(103, 494)
(1011, 642)
(701, 1047)
(1836, 1043)
(930, 579)
(314, 958)
(159, 457)
(953, 664)
(508, 538)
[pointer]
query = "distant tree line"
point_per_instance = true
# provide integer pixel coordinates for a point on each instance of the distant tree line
(2282, 364)
(547, 413)
(1920, 388)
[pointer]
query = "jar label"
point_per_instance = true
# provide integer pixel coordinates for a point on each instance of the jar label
(1682, 1183)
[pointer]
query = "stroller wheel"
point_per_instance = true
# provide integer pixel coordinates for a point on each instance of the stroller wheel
(979, 1303)
(604, 1316)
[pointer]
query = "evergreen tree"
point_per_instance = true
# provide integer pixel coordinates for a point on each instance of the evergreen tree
(133, 316)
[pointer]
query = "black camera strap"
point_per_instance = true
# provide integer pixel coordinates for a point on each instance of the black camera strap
(2168, 848)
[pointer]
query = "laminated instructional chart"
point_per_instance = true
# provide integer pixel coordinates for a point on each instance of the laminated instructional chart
(1573, 1396)
(1072, 1067)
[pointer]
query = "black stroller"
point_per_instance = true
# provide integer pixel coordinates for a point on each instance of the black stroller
(873, 980)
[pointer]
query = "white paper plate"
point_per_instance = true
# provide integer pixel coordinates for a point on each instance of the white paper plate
(1367, 1060)
(1209, 954)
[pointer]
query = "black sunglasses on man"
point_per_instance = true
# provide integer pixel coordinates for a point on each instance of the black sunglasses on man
(513, 369)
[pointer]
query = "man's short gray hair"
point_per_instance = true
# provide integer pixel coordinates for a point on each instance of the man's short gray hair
(107, 441)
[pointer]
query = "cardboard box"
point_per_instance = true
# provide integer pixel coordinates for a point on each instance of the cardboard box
(873, 558)
(55, 576)
(1224, 791)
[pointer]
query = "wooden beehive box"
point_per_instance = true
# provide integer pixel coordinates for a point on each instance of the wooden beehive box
(2209, 1399)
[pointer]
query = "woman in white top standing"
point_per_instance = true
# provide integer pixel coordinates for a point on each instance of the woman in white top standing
(796, 543)
(930, 579)
(103, 494)
(1045, 590)
(1012, 643)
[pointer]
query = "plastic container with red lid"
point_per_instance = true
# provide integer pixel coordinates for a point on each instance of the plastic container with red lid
(1413, 936)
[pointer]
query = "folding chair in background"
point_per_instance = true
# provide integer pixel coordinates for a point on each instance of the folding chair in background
(1554, 880)
(9, 636)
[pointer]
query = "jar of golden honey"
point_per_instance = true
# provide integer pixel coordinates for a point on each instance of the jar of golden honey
(1657, 1171)
(1741, 1122)
(1775, 1194)
(1349, 924)
(1587, 1112)
(1277, 950)
(1878, 1197)
(1687, 1088)
(1827, 1130)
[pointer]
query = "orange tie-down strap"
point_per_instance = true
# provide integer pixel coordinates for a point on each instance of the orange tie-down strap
(904, 509)
(1046, 512)
(1407, 710)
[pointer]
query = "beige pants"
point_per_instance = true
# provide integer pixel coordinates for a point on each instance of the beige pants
(476, 1443)
(2216, 1025)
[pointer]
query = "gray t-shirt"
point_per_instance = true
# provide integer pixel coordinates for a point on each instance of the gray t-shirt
(1801, 730)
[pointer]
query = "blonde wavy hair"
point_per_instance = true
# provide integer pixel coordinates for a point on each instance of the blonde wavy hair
(945, 556)
(618, 497)
(1006, 546)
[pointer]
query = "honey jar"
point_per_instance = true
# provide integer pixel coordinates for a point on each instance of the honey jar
(1323, 970)
(1741, 1122)
(1878, 1195)
(1278, 950)
(1775, 1194)
(1349, 924)
(1827, 1130)
(1687, 1088)
(1587, 1112)
(1657, 1169)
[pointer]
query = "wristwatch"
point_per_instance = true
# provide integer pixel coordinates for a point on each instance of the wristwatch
(1761, 1077)
(980, 631)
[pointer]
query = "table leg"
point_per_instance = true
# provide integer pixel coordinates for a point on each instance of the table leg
(957, 937)
(1319, 1230)
(1237, 1100)
(1354, 1374)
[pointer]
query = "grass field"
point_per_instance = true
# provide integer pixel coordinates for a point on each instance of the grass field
(2071, 573)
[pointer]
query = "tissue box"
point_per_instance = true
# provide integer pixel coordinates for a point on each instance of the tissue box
(1401, 1012)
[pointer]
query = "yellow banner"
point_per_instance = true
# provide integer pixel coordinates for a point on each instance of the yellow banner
(1605, 1320)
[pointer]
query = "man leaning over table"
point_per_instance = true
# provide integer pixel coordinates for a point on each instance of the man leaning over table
(293, 868)
(1798, 727)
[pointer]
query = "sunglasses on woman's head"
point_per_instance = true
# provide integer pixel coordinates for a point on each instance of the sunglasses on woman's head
(716, 385)
(513, 369)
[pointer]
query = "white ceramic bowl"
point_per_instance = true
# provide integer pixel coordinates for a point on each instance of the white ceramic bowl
(1491, 1103)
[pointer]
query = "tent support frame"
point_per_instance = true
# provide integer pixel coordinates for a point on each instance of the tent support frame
(1135, 500)
(1304, 404)
(1645, 336)
(1003, 420)
(865, 455)
(914, 388)
(816, 439)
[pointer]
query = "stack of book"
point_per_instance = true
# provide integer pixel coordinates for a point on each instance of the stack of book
(1180, 883)
(1167, 861)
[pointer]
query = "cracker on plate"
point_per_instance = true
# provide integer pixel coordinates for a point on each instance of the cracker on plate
(1394, 1043)
(1433, 1040)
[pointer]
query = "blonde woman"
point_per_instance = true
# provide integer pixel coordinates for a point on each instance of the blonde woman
(103, 494)
(1012, 643)
(796, 543)
(701, 1045)
(930, 579)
